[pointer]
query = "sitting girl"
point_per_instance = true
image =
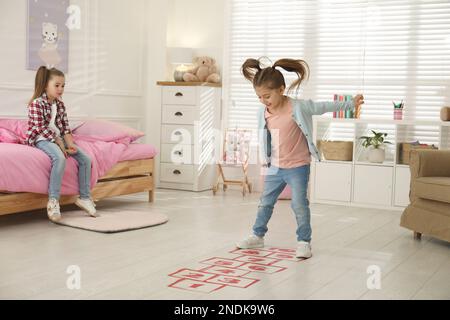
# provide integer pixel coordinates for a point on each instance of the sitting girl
(48, 130)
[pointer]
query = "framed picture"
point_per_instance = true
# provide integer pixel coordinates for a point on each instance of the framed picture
(236, 146)
(47, 34)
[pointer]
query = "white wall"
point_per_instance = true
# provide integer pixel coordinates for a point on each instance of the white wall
(107, 61)
(115, 59)
(197, 24)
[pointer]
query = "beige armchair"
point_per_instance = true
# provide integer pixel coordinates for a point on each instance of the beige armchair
(429, 209)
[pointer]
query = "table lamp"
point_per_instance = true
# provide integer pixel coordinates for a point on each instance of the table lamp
(181, 59)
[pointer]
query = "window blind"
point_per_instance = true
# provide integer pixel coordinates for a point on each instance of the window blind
(388, 50)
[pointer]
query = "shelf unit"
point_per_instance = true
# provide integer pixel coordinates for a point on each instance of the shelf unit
(360, 182)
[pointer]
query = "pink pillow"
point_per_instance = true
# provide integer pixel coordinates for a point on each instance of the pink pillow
(108, 131)
(17, 126)
(8, 136)
(20, 126)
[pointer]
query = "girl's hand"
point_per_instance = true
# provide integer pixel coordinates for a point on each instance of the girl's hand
(358, 100)
(72, 149)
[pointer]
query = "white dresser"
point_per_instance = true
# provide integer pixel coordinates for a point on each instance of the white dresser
(190, 135)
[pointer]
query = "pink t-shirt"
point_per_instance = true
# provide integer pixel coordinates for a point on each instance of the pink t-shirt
(289, 145)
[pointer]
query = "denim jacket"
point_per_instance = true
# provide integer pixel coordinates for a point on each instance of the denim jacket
(302, 112)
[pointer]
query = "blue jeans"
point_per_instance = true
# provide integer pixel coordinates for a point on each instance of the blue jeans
(59, 164)
(274, 183)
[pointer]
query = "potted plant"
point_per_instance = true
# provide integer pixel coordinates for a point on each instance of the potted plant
(375, 144)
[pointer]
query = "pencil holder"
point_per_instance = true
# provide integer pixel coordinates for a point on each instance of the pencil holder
(398, 114)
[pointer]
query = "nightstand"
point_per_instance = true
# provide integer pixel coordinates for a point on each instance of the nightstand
(190, 135)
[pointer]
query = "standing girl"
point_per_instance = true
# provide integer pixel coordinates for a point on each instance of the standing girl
(48, 130)
(285, 134)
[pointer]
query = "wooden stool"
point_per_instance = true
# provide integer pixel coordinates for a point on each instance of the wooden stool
(246, 185)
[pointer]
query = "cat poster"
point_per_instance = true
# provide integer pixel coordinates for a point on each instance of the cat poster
(48, 35)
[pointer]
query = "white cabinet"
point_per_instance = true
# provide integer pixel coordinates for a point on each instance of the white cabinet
(402, 186)
(190, 135)
(179, 114)
(176, 95)
(359, 182)
(373, 185)
(177, 173)
(333, 181)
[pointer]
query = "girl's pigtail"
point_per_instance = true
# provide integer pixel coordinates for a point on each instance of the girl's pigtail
(43, 75)
(250, 68)
(300, 67)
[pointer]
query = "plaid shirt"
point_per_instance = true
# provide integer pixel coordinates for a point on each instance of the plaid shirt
(39, 116)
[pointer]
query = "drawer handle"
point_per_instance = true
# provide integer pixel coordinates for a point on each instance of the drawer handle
(176, 172)
(178, 94)
(179, 114)
(177, 133)
(179, 153)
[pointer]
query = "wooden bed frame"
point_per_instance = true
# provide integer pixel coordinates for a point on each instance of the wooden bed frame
(125, 177)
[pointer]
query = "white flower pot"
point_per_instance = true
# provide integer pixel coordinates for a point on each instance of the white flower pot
(377, 155)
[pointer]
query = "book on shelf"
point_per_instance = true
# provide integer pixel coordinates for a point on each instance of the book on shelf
(347, 114)
(335, 99)
(341, 112)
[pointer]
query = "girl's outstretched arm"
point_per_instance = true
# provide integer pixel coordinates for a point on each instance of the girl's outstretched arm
(321, 107)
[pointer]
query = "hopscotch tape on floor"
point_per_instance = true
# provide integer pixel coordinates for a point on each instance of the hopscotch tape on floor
(238, 272)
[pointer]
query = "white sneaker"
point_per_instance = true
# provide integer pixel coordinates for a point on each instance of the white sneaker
(303, 250)
(53, 211)
(251, 242)
(87, 205)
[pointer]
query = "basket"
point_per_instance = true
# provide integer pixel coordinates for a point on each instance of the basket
(336, 150)
(445, 114)
(406, 148)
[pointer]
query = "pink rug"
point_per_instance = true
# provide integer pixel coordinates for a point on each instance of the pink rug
(111, 221)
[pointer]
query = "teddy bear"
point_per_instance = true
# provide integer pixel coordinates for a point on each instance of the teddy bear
(205, 70)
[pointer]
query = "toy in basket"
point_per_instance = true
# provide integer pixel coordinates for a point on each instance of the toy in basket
(236, 148)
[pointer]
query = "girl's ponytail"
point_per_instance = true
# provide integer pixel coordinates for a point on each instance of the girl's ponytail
(272, 78)
(300, 67)
(250, 68)
(43, 75)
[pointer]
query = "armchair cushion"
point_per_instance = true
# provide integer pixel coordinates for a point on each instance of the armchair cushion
(433, 188)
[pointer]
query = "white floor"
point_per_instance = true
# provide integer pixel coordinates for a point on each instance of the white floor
(35, 253)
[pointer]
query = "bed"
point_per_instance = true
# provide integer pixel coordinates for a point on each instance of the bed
(121, 165)
(125, 177)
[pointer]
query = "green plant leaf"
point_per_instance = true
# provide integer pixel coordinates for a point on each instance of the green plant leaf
(377, 140)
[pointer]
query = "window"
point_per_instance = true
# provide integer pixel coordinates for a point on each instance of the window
(386, 49)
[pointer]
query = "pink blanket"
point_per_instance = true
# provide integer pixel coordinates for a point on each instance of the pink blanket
(137, 151)
(27, 169)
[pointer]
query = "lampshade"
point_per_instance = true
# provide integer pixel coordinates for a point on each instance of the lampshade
(180, 55)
